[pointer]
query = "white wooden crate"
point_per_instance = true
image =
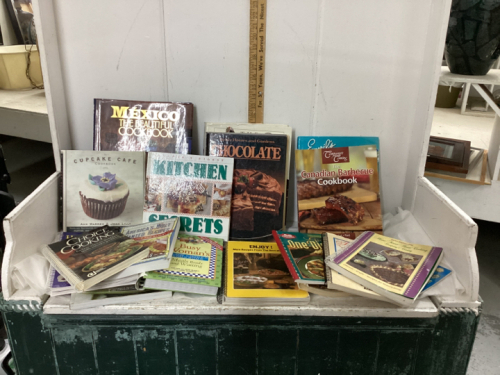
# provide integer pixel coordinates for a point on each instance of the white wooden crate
(361, 67)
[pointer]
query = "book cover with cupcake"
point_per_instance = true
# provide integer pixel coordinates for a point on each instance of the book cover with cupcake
(102, 188)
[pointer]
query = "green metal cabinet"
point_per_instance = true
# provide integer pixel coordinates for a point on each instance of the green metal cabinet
(187, 344)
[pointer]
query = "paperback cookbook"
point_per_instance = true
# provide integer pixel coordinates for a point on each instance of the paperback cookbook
(338, 187)
(395, 269)
(160, 236)
(102, 188)
(256, 272)
(303, 254)
(259, 182)
(129, 125)
(92, 257)
(196, 189)
(334, 245)
(196, 267)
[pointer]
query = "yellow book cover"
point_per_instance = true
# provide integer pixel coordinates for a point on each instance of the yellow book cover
(258, 270)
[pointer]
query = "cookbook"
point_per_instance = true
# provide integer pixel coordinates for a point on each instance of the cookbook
(338, 187)
(92, 257)
(102, 188)
(196, 267)
(259, 181)
(130, 125)
(395, 269)
(196, 189)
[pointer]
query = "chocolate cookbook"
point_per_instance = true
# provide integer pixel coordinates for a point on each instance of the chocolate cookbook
(338, 188)
(197, 189)
(102, 187)
(259, 181)
(129, 125)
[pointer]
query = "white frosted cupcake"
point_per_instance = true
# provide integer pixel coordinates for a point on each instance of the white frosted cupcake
(104, 196)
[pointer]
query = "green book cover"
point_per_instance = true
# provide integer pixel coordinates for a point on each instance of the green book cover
(196, 260)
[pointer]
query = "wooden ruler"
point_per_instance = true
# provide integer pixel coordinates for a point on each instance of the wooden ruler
(257, 66)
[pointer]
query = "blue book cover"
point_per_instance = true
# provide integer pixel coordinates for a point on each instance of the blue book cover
(439, 274)
(313, 143)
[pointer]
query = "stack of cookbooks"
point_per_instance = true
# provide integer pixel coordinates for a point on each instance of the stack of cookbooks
(372, 266)
(102, 266)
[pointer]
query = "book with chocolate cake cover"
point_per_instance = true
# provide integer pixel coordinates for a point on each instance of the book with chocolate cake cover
(196, 189)
(250, 128)
(338, 185)
(259, 181)
(130, 125)
(102, 188)
(334, 245)
(303, 254)
(196, 267)
(392, 268)
(92, 257)
(256, 274)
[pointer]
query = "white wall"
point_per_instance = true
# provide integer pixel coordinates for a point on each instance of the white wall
(334, 67)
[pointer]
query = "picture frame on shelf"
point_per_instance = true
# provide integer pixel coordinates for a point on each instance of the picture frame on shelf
(448, 154)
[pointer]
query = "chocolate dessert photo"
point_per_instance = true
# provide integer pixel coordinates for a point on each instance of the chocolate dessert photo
(259, 182)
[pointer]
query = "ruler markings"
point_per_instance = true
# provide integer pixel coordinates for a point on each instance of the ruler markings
(257, 59)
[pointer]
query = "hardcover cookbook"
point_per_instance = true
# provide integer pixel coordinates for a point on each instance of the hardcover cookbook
(196, 267)
(102, 188)
(89, 258)
(303, 254)
(338, 185)
(259, 181)
(128, 125)
(197, 189)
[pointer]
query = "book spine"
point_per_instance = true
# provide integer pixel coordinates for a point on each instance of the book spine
(97, 125)
(326, 251)
(353, 247)
(289, 263)
(419, 279)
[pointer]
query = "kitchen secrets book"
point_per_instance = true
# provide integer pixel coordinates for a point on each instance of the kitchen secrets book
(303, 254)
(102, 188)
(395, 269)
(259, 181)
(92, 257)
(130, 125)
(196, 189)
(196, 267)
(338, 188)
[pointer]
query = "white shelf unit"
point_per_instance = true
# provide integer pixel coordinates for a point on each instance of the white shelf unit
(478, 201)
(23, 113)
(327, 73)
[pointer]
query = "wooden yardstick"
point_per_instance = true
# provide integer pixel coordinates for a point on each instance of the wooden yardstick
(257, 66)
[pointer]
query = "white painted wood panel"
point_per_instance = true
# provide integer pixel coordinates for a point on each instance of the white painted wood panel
(333, 67)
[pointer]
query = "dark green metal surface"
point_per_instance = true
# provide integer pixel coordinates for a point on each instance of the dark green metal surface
(83, 344)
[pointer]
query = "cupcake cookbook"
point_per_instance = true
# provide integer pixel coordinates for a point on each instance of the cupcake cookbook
(101, 188)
